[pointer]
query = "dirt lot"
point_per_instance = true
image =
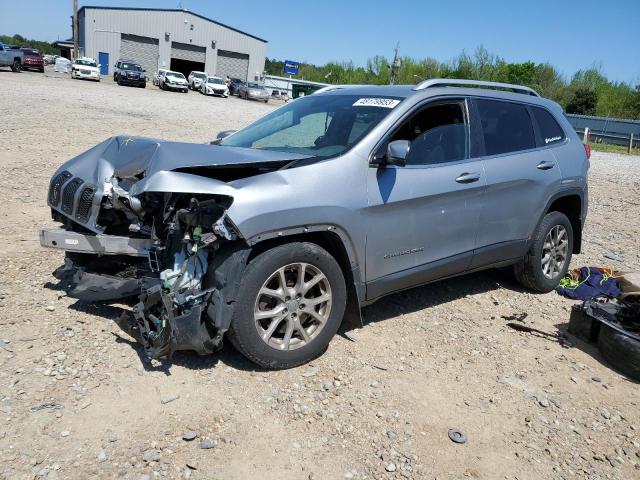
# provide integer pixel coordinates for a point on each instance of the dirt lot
(78, 400)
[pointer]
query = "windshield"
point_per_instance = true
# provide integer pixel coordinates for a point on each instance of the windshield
(318, 126)
(86, 63)
(31, 53)
(219, 81)
(131, 66)
(200, 75)
(174, 74)
(254, 85)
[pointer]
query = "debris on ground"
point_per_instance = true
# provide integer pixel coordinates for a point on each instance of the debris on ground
(457, 436)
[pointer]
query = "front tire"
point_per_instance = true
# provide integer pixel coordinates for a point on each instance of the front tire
(549, 256)
(293, 302)
(16, 67)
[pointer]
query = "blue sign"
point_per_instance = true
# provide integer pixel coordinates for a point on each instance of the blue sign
(291, 68)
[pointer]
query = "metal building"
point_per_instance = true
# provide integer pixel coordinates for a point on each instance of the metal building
(168, 38)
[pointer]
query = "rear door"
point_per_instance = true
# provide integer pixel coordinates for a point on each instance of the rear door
(521, 175)
(422, 218)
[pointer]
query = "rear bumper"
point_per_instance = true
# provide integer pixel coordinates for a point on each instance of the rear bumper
(61, 239)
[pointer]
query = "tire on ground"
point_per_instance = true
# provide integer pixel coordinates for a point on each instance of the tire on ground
(620, 350)
(528, 271)
(243, 333)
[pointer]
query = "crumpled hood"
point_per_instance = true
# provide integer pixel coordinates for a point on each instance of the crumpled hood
(141, 157)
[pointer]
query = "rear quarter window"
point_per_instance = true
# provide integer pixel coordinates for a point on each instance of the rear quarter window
(550, 130)
(506, 126)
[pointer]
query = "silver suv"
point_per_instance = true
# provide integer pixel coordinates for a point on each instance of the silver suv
(333, 200)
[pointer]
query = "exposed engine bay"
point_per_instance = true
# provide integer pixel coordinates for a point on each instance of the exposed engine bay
(185, 232)
(132, 228)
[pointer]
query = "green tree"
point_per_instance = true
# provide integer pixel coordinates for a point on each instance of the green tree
(583, 102)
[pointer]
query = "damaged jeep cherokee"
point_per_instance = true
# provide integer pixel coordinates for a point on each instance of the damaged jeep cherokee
(266, 235)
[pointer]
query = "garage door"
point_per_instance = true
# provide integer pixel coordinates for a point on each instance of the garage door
(191, 53)
(236, 65)
(142, 50)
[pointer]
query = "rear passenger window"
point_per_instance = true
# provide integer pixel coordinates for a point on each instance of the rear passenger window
(550, 131)
(506, 127)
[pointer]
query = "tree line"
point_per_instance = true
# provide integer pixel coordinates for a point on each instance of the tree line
(587, 92)
(43, 47)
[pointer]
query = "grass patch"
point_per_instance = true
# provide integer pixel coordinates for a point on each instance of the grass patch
(608, 148)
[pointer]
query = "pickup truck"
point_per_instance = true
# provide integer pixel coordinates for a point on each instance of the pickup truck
(10, 57)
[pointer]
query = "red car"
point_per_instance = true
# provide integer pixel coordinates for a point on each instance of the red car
(32, 60)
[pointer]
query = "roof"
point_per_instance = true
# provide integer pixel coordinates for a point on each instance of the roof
(401, 91)
(173, 10)
(63, 43)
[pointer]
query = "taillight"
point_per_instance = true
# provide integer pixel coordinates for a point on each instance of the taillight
(587, 149)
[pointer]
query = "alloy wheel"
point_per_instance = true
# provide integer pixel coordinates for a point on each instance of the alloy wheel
(292, 306)
(554, 251)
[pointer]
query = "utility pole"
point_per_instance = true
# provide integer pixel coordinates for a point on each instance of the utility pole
(75, 29)
(395, 64)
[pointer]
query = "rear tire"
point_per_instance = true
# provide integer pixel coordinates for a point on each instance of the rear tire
(530, 271)
(249, 327)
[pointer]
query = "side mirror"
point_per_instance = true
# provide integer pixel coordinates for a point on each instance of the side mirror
(397, 152)
(222, 135)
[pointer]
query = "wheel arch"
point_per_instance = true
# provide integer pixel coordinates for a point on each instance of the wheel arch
(331, 238)
(570, 204)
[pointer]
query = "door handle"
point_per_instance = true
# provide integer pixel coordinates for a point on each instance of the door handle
(546, 165)
(468, 178)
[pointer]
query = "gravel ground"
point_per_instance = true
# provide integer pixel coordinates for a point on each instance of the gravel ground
(78, 399)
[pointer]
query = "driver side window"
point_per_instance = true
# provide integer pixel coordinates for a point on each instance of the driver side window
(438, 134)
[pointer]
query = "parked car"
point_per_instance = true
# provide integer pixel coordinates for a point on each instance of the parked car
(195, 79)
(280, 95)
(156, 77)
(32, 60)
(236, 83)
(118, 66)
(86, 69)
(214, 86)
(173, 81)
(240, 239)
(11, 57)
(253, 91)
(130, 73)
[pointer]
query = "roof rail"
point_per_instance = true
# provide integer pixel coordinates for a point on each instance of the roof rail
(442, 82)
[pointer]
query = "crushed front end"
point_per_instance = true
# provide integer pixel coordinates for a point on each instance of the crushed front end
(177, 252)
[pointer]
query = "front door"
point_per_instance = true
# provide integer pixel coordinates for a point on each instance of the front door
(103, 60)
(422, 218)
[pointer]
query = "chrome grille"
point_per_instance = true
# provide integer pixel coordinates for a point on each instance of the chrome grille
(56, 186)
(68, 195)
(83, 211)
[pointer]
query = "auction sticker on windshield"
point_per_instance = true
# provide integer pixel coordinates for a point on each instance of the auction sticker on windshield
(377, 102)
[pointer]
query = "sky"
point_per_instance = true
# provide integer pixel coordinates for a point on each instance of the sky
(569, 34)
